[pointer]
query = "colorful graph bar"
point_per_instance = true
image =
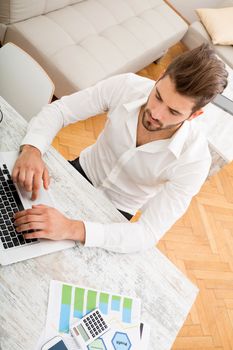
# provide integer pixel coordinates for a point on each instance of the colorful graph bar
(127, 310)
(91, 300)
(103, 303)
(85, 300)
(78, 302)
(116, 303)
(65, 309)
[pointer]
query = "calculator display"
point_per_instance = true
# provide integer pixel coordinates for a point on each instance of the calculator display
(83, 332)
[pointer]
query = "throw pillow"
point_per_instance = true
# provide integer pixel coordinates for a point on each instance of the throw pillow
(218, 23)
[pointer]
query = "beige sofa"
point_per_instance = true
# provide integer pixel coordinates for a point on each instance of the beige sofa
(197, 34)
(79, 42)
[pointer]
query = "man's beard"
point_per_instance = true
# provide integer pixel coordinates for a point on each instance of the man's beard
(149, 125)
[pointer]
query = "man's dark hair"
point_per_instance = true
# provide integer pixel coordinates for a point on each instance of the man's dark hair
(198, 74)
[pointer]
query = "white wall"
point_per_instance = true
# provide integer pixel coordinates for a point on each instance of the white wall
(187, 7)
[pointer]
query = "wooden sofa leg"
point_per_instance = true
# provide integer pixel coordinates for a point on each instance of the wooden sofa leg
(157, 61)
(160, 57)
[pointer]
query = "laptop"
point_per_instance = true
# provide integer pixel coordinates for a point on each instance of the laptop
(13, 246)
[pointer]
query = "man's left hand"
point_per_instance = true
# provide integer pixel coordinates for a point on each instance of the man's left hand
(48, 223)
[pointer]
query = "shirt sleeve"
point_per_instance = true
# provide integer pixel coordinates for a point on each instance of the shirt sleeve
(158, 215)
(70, 109)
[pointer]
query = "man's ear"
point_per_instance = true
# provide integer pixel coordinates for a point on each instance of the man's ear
(196, 114)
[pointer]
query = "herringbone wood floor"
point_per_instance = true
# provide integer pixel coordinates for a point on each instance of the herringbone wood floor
(200, 243)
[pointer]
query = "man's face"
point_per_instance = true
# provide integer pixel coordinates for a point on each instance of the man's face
(166, 108)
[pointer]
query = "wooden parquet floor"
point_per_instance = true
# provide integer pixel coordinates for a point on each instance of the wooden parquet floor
(200, 243)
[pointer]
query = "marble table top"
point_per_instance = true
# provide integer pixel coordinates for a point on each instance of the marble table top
(166, 294)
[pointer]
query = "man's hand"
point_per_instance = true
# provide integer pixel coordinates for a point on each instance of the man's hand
(29, 169)
(49, 223)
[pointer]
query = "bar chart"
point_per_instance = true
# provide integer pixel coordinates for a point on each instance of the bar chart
(77, 301)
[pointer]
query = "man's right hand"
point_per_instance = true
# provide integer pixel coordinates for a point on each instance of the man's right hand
(29, 169)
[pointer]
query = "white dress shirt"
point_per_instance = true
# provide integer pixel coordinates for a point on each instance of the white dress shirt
(159, 178)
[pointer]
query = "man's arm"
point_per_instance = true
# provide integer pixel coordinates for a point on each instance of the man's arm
(30, 168)
(158, 215)
(70, 109)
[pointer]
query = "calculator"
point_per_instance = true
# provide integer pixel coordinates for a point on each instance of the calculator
(89, 328)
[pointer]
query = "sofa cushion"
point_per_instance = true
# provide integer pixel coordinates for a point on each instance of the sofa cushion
(83, 43)
(218, 23)
(24, 9)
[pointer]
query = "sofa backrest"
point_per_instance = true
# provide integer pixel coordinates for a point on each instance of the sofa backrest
(226, 3)
(12, 11)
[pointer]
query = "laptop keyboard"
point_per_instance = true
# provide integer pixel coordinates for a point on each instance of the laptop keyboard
(10, 203)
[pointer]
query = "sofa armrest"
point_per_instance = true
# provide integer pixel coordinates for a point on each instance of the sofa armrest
(195, 35)
(3, 28)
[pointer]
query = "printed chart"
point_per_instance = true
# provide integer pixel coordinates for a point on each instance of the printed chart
(68, 302)
(76, 302)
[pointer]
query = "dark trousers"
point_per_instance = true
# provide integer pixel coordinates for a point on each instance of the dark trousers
(77, 166)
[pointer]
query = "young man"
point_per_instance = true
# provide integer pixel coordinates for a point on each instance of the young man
(149, 157)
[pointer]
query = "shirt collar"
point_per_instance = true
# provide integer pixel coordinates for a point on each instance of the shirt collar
(130, 106)
(174, 144)
(178, 140)
(133, 108)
